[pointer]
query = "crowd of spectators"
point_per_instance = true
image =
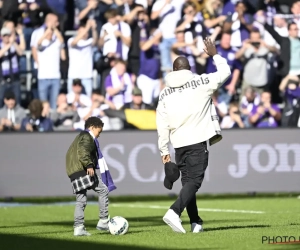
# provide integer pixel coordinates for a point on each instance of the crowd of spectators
(90, 57)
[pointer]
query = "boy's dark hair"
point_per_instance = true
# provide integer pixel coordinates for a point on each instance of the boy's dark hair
(36, 108)
(93, 122)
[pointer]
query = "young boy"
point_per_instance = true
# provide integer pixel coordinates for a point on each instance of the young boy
(81, 163)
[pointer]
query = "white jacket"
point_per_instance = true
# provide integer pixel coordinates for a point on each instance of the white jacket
(184, 113)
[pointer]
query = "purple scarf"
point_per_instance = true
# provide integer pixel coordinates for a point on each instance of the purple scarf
(102, 166)
(119, 43)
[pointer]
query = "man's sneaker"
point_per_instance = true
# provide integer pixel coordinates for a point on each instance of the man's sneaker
(173, 220)
(196, 228)
(103, 225)
(80, 231)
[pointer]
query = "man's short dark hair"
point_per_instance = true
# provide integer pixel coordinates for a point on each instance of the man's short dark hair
(93, 121)
(9, 95)
(227, 32)
(240, 2)
(267, 91)
(96, 92)
(290, 24)
(77, 82)
(121, 62)
(188, 4)
(255, 31)
(83, 22)
(111, 14)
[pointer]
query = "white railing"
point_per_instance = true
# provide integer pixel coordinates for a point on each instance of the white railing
(28, 69)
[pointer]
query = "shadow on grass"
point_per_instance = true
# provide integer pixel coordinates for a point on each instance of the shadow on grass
(234, 227)
(16, 242)
(134, 222)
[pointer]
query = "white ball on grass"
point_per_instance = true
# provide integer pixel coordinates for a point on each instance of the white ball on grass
(118, 225)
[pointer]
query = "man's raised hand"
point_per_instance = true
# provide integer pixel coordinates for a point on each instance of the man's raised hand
(210, 47)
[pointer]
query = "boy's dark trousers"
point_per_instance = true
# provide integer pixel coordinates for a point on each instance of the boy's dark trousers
(192, 162)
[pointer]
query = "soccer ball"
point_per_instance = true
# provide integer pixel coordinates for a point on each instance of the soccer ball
(118, 225)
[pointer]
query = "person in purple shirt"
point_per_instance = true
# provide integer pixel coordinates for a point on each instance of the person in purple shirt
(240, 24)
(228, 7)
(149, 74)
(266, 114)
(290, 90)
(224, 49)
(249, 100)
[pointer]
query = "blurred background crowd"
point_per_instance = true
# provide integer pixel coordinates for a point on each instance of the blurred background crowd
(65, 60)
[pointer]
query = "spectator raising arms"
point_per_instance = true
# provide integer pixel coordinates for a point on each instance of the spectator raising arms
(240, 24)
(115, 36)
(9, 65)
(233, 119)
(289, 61)
(212, 21)
(266, 114)
(17, 32)
(149, 74)
(49, 51)
(255, 53)
(51, 20)
(119, 85)
(181, 48)
(76, 99)
(11, 115)
(93, 9)
(169, 13)
(64, 116)
(192, 25)
(249, 100)
(99, 104)
(138, 20)
(81, 56)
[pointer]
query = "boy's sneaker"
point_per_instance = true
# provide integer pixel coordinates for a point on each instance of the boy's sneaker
(197, 228)
(173, 220)
(80, 231)
(103, 225)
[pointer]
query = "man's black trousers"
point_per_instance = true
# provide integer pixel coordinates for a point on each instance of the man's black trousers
(192, 162)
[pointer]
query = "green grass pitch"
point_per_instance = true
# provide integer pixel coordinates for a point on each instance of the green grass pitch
(228, 223)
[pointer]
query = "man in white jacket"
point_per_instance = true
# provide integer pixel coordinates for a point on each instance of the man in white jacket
(186, 117)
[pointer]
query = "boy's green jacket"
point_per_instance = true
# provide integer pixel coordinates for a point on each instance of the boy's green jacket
(82, 154)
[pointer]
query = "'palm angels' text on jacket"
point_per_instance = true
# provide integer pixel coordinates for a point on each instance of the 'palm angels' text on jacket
(184, 112)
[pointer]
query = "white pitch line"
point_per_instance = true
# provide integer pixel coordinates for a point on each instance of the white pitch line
(199, 209)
